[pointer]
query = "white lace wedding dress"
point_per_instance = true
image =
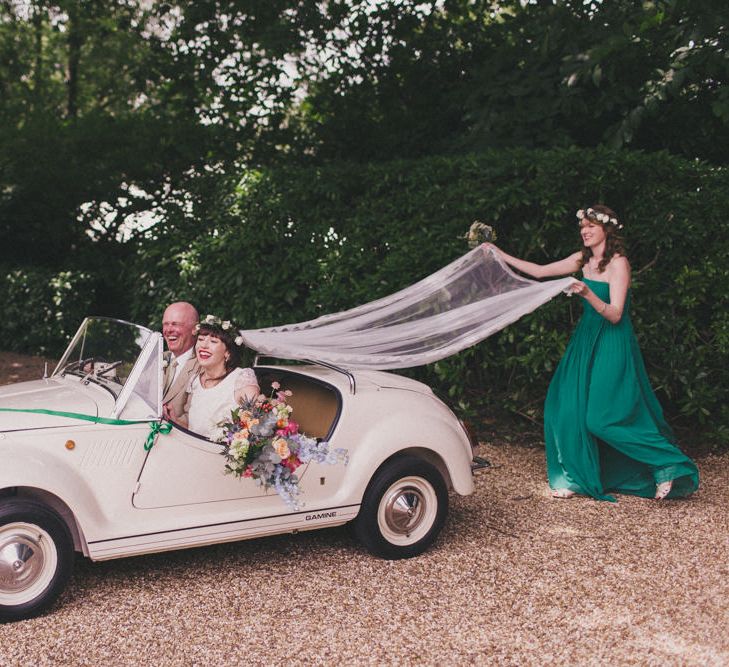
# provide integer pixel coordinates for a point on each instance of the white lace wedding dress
(210, 406)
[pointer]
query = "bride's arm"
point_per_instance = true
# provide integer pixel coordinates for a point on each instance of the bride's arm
(562, 267)
(246, 386)
(247, 392)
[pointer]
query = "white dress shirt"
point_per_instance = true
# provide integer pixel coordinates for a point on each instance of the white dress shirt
(181, 361)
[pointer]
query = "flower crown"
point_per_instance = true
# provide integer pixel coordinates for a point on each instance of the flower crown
(226, 326)
(603, 218)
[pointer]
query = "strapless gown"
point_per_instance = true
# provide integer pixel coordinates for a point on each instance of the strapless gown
(603, 426)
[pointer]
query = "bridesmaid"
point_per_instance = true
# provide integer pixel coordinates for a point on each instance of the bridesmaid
(603, 426)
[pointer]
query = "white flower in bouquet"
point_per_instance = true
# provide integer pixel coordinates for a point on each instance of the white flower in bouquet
(239, 448)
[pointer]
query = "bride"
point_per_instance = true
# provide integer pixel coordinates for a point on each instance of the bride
(220, 385)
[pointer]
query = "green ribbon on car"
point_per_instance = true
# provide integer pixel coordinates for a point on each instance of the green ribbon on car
(154, 426)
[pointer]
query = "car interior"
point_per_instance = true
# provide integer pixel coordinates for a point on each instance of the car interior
(316, 404)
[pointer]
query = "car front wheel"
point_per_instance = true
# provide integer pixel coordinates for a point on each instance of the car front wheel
(36, 559)
(403, 509)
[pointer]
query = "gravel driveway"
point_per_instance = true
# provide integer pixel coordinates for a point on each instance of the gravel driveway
(516, 578)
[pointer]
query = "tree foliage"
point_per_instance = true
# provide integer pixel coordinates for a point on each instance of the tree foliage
(114, 115)
(474, 74)
(92, 143)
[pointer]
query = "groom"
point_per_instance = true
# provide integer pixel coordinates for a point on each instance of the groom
(178, 329)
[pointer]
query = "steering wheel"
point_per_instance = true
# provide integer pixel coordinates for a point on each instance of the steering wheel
(110, 367)
(77, 365)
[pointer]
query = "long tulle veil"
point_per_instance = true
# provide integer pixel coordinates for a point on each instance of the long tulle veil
(444, 313)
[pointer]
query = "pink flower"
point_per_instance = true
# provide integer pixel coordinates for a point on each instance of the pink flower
(292, 462)
(248, 472)
(289, 429)
(275, 385)
(293, 427)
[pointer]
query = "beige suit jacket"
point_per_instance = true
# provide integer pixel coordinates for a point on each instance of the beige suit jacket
(176, 394)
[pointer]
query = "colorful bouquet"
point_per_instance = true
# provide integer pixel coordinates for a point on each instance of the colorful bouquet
(261, 441)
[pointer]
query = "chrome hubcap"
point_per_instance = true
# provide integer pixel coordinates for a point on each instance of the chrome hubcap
(407, 511)
(27, 562)
(404, 510)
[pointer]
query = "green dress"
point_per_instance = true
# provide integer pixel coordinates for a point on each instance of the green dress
(603, 426)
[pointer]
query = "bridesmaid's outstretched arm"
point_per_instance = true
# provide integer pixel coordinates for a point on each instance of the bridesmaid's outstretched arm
(563, 267)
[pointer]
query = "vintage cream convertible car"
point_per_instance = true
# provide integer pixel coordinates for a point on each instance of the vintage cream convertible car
(84, 467)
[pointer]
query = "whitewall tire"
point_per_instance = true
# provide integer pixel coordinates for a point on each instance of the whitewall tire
(36, 558)
(403, 509)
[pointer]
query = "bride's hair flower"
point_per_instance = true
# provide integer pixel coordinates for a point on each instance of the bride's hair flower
(215, 325)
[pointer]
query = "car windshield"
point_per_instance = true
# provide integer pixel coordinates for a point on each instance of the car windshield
(104, 351)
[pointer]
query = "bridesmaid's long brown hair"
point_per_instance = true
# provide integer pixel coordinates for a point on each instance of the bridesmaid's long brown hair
(613, 242)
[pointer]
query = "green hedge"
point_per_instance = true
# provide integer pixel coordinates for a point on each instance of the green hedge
(42, 308)
(297, 243)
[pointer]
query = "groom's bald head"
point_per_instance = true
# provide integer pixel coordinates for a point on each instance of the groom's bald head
(178, 326)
